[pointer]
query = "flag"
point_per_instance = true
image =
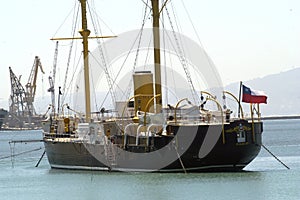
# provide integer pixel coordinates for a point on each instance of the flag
(253, 96)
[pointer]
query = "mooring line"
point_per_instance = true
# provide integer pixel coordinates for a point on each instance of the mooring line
(274, 156)
(37, 164)
(179, 158)
(180, 161)
(24, 141)
(24, 152)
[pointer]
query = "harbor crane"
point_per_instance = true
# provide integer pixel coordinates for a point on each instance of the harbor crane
(31, 84)
(18, 106)
(21, 108)
(52, 79)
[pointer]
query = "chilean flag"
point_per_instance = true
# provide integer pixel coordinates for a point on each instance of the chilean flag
(252, 96)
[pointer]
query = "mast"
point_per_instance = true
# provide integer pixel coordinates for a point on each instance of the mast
(156, 40)
(85, 32)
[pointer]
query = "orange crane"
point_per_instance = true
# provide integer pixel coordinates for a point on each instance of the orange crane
(31, 84)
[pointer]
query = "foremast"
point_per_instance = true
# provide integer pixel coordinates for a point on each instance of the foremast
(85, 32)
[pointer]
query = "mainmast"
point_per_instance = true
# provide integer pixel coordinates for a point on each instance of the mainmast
(156, 40)
(85, 32)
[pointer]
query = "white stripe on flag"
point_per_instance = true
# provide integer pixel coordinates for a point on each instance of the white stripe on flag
(258, 93)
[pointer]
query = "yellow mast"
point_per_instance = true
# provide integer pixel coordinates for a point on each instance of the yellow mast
(85, 32)
(156, 40)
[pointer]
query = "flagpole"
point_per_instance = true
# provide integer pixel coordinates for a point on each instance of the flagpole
(258, 112)
(239, 109)
(252, 119)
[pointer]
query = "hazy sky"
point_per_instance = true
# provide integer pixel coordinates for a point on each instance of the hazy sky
(245, 39)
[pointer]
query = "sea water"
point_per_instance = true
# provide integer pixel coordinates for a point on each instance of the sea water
(264, 178)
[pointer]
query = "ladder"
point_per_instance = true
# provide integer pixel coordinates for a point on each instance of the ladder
(110, 154)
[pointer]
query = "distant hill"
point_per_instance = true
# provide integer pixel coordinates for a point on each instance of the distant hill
(282, 89)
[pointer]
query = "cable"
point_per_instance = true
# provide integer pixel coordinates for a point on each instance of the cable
(18, 154)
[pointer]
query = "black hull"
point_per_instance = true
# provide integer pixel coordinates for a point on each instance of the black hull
(71, 155)
(227, 154)
(1, 123)
(3, 115)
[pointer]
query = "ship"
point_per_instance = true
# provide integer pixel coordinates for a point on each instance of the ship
(142, 134)
(3, 114)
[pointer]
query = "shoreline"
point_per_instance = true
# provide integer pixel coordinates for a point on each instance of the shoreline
(280, 117)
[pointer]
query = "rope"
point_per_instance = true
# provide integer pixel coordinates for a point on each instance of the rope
(179, 158)
(70, 12)
(70, 53)
(128, 90)
(182, 59)
(209, 61)
(37, 164)
(108, 73)
(145, 16)
(18, 154)
(65, 89)
(73, 77)
(274, 156)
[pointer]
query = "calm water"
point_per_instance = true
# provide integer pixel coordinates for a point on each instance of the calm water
(265, 178)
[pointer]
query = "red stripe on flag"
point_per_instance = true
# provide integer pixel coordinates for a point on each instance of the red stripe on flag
(248, 98)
